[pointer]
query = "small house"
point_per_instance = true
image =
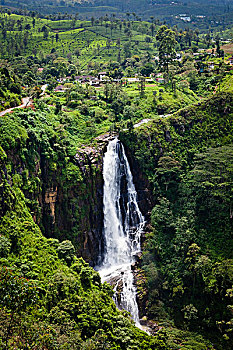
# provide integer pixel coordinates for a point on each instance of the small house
(160, 80)
(102, 75)
(59, 88)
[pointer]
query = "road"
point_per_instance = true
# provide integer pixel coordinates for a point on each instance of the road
(143, 121)
(26, 102)
(43, 88)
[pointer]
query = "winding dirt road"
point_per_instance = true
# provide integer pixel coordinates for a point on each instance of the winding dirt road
(27, 101)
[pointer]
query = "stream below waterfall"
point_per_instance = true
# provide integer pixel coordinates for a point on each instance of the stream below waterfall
(122, 229)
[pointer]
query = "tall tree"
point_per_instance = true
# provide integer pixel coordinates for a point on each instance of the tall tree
(167, 43)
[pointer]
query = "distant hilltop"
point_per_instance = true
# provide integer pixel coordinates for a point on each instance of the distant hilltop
(144, 9)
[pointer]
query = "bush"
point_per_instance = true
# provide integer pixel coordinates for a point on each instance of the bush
(66, 251)
(5, 246)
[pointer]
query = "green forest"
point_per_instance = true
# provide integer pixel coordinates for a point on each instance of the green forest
(71, 81)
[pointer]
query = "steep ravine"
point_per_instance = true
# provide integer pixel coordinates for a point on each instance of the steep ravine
(88, 199)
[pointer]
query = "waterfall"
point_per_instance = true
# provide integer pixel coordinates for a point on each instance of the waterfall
(123, 225)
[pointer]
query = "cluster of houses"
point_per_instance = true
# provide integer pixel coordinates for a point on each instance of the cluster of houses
(84, 79)
(103, 77)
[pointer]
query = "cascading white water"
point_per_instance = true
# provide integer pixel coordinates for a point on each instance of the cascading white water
(123, 225)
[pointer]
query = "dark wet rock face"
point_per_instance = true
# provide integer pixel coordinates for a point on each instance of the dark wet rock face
(78, 213)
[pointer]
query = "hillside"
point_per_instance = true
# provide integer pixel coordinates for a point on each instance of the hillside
(188, 160)
(200, 12)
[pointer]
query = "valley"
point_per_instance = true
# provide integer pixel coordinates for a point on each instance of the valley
(116, 161)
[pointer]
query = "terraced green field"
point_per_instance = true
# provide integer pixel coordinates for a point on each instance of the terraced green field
(97, 42)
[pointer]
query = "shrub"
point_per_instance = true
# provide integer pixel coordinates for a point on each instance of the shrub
(5, 246)
(66, 251)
